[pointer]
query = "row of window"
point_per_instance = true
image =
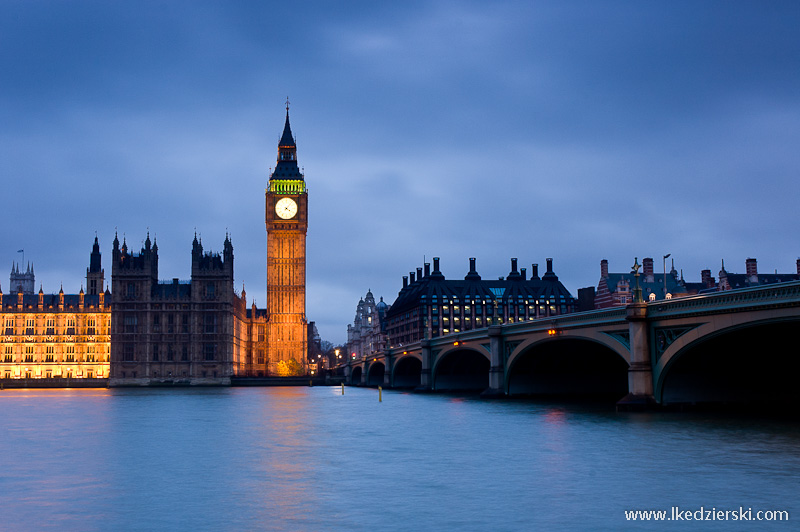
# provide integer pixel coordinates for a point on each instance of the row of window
(51, 331)
(169, 353)
(131, 292)
(10, 359)
(68, 373)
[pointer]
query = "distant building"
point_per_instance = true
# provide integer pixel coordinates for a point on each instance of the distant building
(22, 281)
(367, 335)
(616, 289)
(53, 336)
(751, 277)
(315, 358)
(429, 305)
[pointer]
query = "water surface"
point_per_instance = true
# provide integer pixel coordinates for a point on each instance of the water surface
(313, 459)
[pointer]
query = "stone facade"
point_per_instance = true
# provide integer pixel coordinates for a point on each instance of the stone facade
(287, 224)
(53, 336)
(171, 332)
(367, 335)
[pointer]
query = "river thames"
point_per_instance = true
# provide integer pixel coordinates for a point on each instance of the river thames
(313, 459)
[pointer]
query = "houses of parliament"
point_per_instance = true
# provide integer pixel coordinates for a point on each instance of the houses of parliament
(147, 331)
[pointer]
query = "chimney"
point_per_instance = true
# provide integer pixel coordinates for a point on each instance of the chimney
(435, 265)
(647, 266)
(534, 272)
(472, 274)
(524, 273)
(514, 275)
(798, 266)
(419, 274)
(405, 281)
(549, 275)
(427, 269)
(411, 274)
(604, 269)
(706, 279)
(752, 270)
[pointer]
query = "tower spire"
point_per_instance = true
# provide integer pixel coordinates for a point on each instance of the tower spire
(286, 167)
(287, 140)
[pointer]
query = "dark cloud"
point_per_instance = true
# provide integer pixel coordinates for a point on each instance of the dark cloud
(576, 131)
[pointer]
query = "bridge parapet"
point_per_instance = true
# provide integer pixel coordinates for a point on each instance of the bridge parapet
(782, 294)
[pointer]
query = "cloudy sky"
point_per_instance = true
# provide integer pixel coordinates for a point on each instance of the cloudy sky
(573, 130)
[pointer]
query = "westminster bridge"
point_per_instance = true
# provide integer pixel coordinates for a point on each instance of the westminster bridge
(727, 347)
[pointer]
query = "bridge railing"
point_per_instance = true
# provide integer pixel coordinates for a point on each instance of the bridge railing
(755, 296)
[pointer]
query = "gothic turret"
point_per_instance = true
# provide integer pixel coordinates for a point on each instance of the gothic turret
(22, 282)
(95, 276)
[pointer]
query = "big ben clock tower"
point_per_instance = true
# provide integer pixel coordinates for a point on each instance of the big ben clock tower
(287, 223)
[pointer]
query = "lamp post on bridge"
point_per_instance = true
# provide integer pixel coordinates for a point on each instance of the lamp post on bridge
(665, 274)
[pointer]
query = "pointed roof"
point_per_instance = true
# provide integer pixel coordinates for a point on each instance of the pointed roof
(287, 140)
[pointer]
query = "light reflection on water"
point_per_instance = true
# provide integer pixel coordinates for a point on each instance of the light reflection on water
(313, 459)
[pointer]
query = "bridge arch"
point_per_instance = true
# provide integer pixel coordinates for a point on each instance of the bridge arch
(375, 373)
(407, 371)
(574, 365)
(460, 367)
(355, 375)
(746, 362)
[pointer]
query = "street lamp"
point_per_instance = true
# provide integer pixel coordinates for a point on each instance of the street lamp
(665, 274)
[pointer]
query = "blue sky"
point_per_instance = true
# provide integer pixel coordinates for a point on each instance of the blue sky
(573, 130)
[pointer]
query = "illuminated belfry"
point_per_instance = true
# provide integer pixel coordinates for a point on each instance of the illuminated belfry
(287, 223)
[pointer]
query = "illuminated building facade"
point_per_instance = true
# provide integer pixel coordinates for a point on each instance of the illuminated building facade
(54, 336)
(429, 305)
(287, 223)
(250, 339)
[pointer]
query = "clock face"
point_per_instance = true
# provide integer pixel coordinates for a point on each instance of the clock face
(286, 208)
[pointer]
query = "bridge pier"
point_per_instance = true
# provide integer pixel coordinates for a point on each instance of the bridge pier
(497, 367)
(425, 384)
(387, 371)
(640, 371)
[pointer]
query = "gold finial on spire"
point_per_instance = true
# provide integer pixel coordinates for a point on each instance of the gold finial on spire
(287, 104)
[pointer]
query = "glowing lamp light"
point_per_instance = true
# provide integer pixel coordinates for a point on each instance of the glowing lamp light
(552, 332)
(455, 343)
